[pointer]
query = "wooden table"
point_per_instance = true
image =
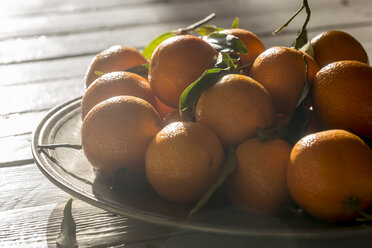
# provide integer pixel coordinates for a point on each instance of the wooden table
(45, 48)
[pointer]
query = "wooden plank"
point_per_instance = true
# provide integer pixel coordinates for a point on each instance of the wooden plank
(25, 186)
(126, 16)
(51, 47)
(38, 7)
(31, 212)
(39, 96)
(39, 227)
(44, 71)
(202, 240)
(15, 150)
(76, 66)
(14, 124)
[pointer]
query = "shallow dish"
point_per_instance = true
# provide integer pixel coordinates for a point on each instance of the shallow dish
(69, 170)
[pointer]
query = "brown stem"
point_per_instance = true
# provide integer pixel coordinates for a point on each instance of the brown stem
(196, 24)
(54, 146)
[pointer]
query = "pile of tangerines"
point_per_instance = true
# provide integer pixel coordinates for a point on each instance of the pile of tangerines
(138, 122)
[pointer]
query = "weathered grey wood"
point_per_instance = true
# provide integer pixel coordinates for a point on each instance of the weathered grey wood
(15, 150)
(38, 7)
(45, 71)
(126, 16)
(39, 227)
(263, 23)
(14, 124)
(35, 189)
(31, 212)
(39, 96)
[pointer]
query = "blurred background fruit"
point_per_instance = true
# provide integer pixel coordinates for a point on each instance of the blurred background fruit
(342, 97)
(328, 168)
(116, 132)
(115, 58)
(176, 63)
(332, 46)
(116, 84)
(234, 108)
(183, 160)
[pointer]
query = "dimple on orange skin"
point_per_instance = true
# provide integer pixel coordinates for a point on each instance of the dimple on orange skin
(234, 108)
(258, 183)
(335, 45)
(115, 58)
(183, 160)
(342, 97)
(328, 168)
(116, 84)
(116, 132)
(176, 63)
(282, 71)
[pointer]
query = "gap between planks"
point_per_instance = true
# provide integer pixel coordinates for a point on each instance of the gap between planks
(45, 48)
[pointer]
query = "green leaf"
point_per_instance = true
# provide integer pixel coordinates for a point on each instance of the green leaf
(150, 48)
(301, 40)
(207, 30)
(235, 23)
(226, 61)
(142, 70)
(227, 168)
(307, 48)
(226, 43)
(192, 93)
(67, 237)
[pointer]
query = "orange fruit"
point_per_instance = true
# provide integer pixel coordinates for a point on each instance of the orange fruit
(328, 168)
(282, 71)
(342, 96)
(175, 116)
(234, 108)
(332, 46)
(176, 63)
(115, 58)
(116, 84)
(258, 183)
(183, 160)
(163, 109)
(253, 44)
(116, 132)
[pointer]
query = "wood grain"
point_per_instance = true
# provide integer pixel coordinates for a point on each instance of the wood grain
(262, 19)
(45, 48)
(95, 227)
